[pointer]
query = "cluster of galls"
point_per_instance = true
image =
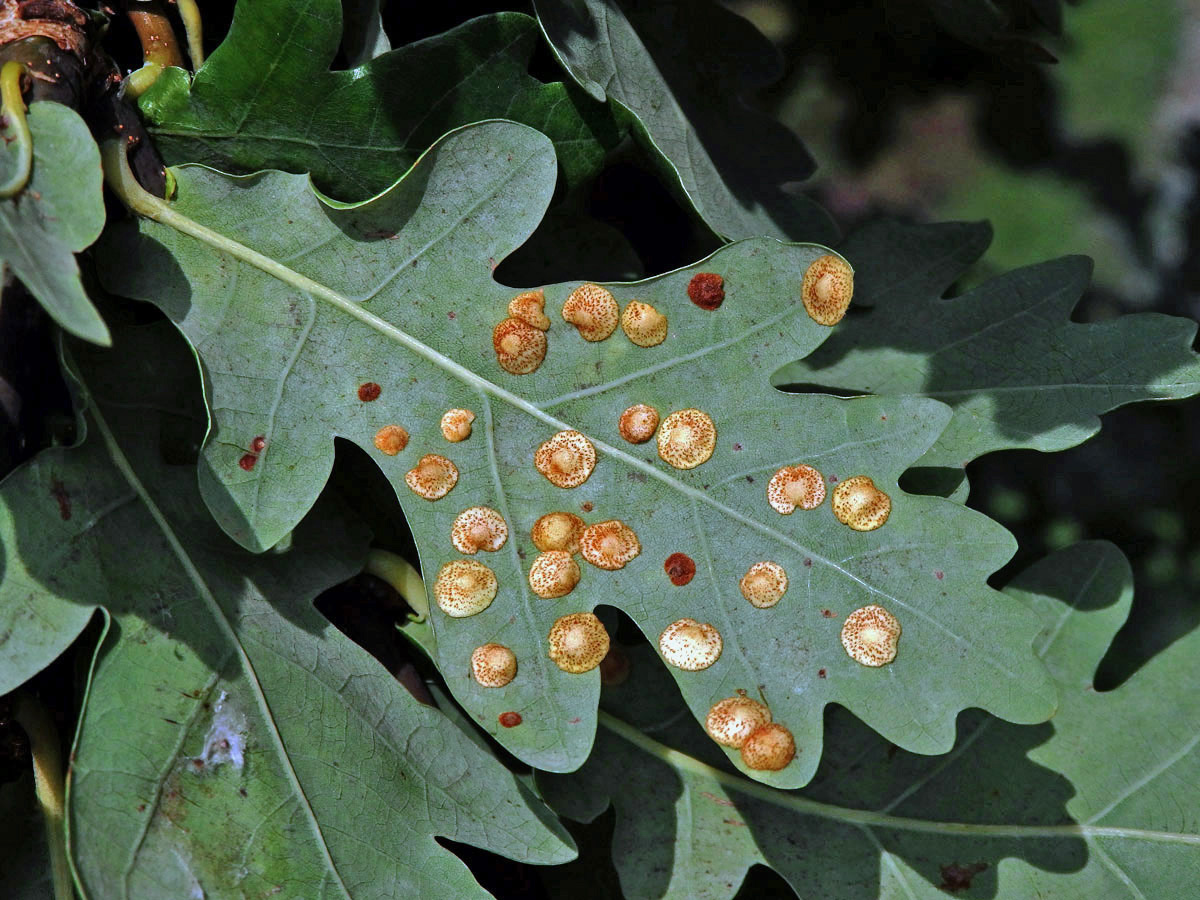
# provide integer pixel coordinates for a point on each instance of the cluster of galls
(745, 724)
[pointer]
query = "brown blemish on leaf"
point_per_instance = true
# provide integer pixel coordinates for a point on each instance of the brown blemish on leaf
(687, 438)
(368, 391)
(643, 324)
(720, 801)
(861, 505)
(248, 460)
(638, 423)
(493, 665)
(730, 721)
(557, 531)
(520, 348)
(870, 636)
(706, 290)
(510, 719)
(391, 439)
(690, 645)
(820, 673)
(958, 878)
(764, 584)
(795, 486)
(530, 307)
(456, 424)
(680, 568)
(592, 310)
(827, 288)
(939, 574)
(578, 642)
(554, 574)
(768, 748)
(587, 506)
(464, 587)
(567, 459)
(478, 528)
(609, 545)
(58, 491)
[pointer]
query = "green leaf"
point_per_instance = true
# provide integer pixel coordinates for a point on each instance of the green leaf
(233, 743)
(1005, 355)
(293, 304)
(1097, 803)
(686, 73)
(59, 213)
(261, 101)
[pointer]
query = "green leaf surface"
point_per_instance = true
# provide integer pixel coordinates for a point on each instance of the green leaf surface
(59, 213)
(266, 98)
(686, 73)
(293, 304)
(233, 743)
(1005, 355)
(1100, 802)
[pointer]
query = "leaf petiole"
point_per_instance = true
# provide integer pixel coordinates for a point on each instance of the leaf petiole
(194, 28)
(403, 576)
(12, 105)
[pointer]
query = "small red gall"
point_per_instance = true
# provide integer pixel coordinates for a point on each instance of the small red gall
(680, 568)
(820, 673)
(259, 444)
(247, 462)
(368, 391)
(510, 719)
(706, 290)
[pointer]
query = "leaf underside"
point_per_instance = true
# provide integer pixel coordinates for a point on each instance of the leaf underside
(1100, 802)
(397, 292)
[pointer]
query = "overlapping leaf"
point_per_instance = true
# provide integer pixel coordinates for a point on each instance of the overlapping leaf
(397, 292)
(1101, 802)
(684, 72)
(1005, 356)
(58, 213)
(266, 98)
(233, 743)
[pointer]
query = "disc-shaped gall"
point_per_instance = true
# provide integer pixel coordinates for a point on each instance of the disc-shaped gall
(578, 642)
(478, 528)
(871, 635)
(827, 288)
(520, 348)
(706, 290)
(493, 665)
(768, 748)
(609, 545)
(557, 531)
(567, 459)
(861, 505)
(530, 307)
(764, 584)
(391, 439)
(456, 424)
(643, 324)
(433, 477)
(680, 568)
(638, 423)
(593, 311)
(554, 574)
(690, 645)
(464, 587)
(687, 438)
(795, 486)
(730, 721)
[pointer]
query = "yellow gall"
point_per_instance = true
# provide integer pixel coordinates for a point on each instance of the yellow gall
(690, 645)
(687, 438)
(592, 310)
(433, 477)
(578, 642)
(391, 439)
(493, 665)
(456, 424)
(478, 528)
(870, 636)
(861, 505)
(520, 348)
(464, 587)
(768, 748)
(643, 324)
(764, 584)
(638, 423)
(794, 486)
(554, 574)
(557, 531)
(530, 307)
(827, 288)
(609, 545)
(567, 459)
(730, 721)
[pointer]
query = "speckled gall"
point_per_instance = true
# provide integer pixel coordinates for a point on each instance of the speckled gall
(567, 459)
(609, 545)
(391, 439)
(730, 721)
(764, 584)
(827, 288)
(433, 477)
(795, 486)
(530, 307)
(493, 665)
(554, 573)
(643, 324)
(690, 645)
(578, 642)
(593, 311)
(871, 635)
(478, 528)
(861, 505)
(638, 423)
(464, 587)
(456, 424)
(520, 348)
(687, 438)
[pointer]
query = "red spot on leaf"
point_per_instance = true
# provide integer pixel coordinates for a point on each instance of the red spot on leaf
(247, 461)
(939, 574)
(141, 807)
(820, 673)
(58, 491)
(706, 290)
(736, 822)
(452, 314)
(737, 446)
(587, 506)
(510, 719)
(368, 391)
(258, 444)
(808, 563)
(958, 878)
(827, 613)
(720, 801)
(574, 721)
(680, 568)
